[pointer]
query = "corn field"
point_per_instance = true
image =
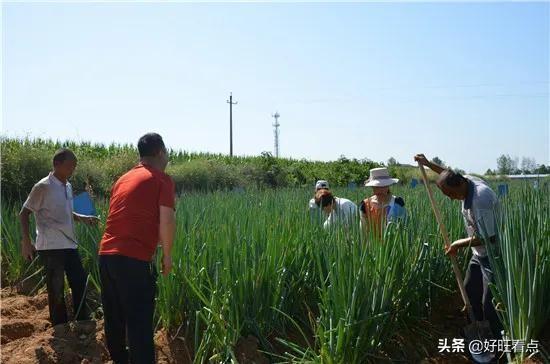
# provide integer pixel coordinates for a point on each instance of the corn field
(257, 263)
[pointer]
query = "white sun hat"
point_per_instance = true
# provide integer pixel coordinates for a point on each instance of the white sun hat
(380, 177)
(321, 184)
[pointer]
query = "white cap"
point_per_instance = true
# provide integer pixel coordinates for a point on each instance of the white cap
(321, 184)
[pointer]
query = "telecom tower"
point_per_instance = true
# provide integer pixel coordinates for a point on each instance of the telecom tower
(276, 133)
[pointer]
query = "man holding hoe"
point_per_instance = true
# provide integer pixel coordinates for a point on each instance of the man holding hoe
(478, 209)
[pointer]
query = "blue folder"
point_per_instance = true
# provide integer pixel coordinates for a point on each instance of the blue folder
(83, 204)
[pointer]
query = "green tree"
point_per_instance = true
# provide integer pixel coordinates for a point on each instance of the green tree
(542, 169)
(506, 165)
(392, 162)
(438, 161)
(528, 165)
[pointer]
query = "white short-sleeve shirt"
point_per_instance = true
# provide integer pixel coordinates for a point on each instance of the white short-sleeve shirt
(312, 205)
(52, 203)
(478, 210)
(345, 213)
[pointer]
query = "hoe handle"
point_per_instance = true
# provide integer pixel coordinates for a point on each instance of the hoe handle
(445, 235)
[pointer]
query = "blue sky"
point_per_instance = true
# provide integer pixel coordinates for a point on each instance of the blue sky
(466, 82)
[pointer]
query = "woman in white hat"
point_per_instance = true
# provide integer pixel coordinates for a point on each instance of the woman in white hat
(382, 207)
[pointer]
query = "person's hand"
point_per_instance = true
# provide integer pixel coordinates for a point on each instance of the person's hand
(452, 249)
(90, 220)
(421, 159)
(27, 249)
(166, 265)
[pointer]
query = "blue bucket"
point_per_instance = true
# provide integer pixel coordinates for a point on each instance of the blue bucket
(502, 190)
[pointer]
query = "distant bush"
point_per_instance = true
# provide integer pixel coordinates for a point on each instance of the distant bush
(204, 175)
(25, 161)
(23, 164)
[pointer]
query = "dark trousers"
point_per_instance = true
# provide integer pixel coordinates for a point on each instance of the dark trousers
(57, 263)
(476, 283)
(128, 295)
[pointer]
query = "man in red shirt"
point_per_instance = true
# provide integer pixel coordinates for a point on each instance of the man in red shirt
(141, 215)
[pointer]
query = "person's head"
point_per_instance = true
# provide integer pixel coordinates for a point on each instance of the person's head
(452, 184)
(152, 151)
(321, 185)
(325, 200)
(381, 192)
(64, 163)
(380, 181)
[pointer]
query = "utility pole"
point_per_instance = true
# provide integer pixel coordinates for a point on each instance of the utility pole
(231, 103)
(276, 133)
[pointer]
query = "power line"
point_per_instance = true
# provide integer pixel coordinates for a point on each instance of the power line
(231, 103)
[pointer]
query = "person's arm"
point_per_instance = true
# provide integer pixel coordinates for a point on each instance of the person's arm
(167, 231)
(363, 222)
(86, 219)
(329, 220)
(467, 242)
(484, 228)
(462, 243)
(27, 249)
(422, 160)
(363, 217)
(32, 204)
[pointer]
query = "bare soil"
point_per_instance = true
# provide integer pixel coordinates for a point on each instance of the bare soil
(28, 337)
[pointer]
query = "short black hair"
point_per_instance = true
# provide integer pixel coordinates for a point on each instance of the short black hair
(63, 154)
(150, 145)
(451, 178)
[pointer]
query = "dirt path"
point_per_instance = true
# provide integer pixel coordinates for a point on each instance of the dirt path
(28, 337)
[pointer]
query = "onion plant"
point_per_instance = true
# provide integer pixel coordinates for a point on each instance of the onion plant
(521, 264)
(255, 263)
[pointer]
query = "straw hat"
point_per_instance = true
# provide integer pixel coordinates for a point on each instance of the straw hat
(379, 177)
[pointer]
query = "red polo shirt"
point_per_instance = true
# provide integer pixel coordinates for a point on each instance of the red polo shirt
(132, 226)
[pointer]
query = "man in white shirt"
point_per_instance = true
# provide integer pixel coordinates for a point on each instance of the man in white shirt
(315, 212)
(340, 211)
(479, 204)
(51, 201)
